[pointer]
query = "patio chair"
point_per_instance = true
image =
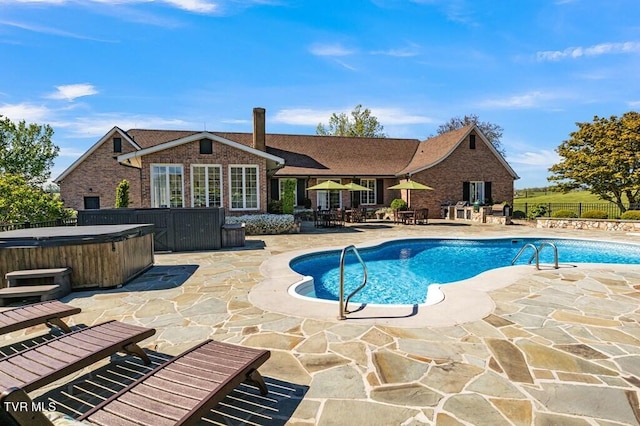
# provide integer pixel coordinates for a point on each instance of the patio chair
(178, 392)
(54, 359)
(50, 313)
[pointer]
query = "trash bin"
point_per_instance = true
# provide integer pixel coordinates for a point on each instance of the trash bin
(506, 210)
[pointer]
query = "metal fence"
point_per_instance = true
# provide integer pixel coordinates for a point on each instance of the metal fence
(612, 210)
(49, 223)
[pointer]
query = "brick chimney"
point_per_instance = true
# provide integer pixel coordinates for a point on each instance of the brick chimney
(259, 129)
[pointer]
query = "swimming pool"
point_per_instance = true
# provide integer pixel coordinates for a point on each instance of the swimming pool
(401, 271)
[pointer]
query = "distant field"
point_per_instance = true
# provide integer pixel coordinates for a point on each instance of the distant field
(556, 197)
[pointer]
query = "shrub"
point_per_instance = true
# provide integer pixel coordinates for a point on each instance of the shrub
(537, 210)
(307, 203)
(519, 214)
(564, 213)
(631, 215)
(274, 207)
(289, 196)
(595, 214)
(261, 224)
(122, 194)
(398, 204)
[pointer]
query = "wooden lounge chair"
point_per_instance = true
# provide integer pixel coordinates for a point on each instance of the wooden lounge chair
(49, 361)
(50, 313)
(178, 392)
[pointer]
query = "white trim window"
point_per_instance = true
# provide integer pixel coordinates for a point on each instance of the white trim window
(368, 197)
(167, 185)
(244, 187)
(328, 200)
(206, 185)
(476, 191)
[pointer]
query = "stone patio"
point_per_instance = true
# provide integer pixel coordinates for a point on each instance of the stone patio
(560, 347)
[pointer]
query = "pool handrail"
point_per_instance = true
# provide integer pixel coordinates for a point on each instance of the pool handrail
(555, 253)
(536, 253)
(342, 302)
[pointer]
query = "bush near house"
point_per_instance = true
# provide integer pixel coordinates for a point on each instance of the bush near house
(631, 215)
(564, 213)
(595, 214)
(398, 204)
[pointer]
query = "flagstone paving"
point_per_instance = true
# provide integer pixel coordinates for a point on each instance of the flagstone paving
(560, 347)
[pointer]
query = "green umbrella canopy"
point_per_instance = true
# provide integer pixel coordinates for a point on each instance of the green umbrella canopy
(355, 187)
(410, 184)
(328, 185)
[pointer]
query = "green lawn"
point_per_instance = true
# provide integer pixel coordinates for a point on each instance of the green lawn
(556, 197)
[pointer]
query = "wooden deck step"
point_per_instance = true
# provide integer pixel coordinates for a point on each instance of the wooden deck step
(46, 292)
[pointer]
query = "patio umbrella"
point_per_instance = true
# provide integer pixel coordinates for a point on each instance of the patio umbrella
(328, 185)
(352, 186)
(410, 185)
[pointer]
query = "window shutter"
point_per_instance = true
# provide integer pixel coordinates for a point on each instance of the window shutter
(487, 192)
(465, 192)
(379, 191)
(275, 189)
(300, 191)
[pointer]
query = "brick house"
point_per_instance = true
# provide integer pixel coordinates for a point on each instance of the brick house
(243, 171)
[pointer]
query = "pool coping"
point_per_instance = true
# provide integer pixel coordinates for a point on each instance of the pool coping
(464, 301)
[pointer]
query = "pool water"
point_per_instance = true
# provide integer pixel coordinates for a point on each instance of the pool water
(399, 272)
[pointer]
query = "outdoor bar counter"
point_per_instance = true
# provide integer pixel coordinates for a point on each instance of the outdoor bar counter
(99, 256)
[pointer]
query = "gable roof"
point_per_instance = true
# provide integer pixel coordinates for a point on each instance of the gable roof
(188, 137)
(435, 150)
(95, 146)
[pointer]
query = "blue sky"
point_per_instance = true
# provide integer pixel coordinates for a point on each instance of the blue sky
(535, 67)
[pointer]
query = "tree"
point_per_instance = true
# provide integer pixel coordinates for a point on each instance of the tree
(122, 194)
(361, 123)
(492, 132)
(27, 150)
(604, 157)
(289, 196)
(22, 202)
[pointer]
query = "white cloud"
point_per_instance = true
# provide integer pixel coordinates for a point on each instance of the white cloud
(197, 6)
(523, 101)
(25, 111)
(99, 124)
(634, 104)
(319, 49)
(72, 91)
(308, 116)
(49, 30)
(540, 158)
(402, 52)
(595, 50)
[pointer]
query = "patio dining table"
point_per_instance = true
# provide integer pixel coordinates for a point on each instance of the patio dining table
(329, 218)
(405, 216)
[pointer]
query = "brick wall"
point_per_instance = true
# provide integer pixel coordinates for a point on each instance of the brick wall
(189, 153)
(463, 165)
(98, 176)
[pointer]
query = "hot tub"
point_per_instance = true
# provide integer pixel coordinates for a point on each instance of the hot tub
(99, 256)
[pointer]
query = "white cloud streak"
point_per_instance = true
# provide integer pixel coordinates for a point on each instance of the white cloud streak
(24, 111)
(523, 101)
(403, 52)
(544, 158)
(49, 30)
(308, 116)
(595, 50)
(70, 92)
(319, 49)
(196, 6)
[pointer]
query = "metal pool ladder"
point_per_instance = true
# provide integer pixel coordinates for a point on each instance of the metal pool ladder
(344, 303)
(536, 253)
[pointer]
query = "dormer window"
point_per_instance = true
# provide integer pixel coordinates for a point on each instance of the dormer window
(117, 144)
(472, 141)
(206, 146)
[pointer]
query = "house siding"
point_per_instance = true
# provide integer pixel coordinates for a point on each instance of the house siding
(462, 165)
(98, 176)
(189, 153)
